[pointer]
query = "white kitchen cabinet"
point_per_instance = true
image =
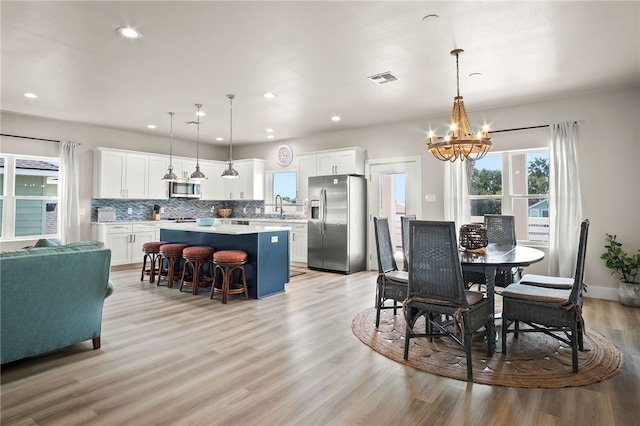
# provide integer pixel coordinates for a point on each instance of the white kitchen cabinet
(120, 174)
(299, 240)
(125, 240)
(307, 167)
(158, 167)
(214, 187)
(341, 162)
(250, 184)
(183, 167)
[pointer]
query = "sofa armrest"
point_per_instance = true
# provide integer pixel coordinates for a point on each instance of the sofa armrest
(110, 288)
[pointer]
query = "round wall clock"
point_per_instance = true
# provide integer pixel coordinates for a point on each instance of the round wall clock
(284, 155)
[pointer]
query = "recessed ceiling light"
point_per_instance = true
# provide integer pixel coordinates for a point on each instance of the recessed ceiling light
(270, 136)
(268, 130)
(269, 95)
(219, 139)
(151, 126)
(30, 95)
(336, 118)
(129, 32)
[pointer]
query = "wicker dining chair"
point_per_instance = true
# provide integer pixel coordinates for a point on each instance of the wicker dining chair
(501, 230)
(404, 227)
(552, 311)
(391, 283)
(436, 288)
(563, 283)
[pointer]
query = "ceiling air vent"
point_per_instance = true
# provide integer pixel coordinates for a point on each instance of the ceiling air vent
(383, 77)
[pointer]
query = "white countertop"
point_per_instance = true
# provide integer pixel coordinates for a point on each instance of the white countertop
(222, 229)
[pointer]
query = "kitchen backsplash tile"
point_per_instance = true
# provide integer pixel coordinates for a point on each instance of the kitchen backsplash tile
(176, 207)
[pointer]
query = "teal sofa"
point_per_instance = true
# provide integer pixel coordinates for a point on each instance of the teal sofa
(52, 297)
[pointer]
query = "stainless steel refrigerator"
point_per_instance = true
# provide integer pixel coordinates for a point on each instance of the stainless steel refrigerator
(337, 223)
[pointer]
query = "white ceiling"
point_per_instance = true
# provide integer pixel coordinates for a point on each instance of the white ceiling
(314, 55)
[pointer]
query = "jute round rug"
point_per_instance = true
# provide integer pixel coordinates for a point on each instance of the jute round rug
(533, 360)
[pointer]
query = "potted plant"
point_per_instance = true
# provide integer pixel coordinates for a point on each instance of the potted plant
(627, 267)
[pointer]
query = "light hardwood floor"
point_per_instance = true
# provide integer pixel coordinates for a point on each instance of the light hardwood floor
(171, 358)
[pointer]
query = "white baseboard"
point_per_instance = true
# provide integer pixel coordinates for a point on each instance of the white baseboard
(606, 293)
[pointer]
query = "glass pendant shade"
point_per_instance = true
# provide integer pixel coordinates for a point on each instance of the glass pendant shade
(230, 172)
(170, 176)
(197, 174)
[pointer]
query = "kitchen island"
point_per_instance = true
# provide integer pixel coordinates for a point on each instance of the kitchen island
(267, 249)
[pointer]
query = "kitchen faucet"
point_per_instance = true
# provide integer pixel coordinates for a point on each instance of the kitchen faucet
(278, 197)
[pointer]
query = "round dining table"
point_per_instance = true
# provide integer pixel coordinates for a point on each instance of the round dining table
(496, 257)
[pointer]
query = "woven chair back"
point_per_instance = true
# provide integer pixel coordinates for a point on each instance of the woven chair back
(384, 248)
(434, 265)
(501, 229)
(578, 283)
(404, 227)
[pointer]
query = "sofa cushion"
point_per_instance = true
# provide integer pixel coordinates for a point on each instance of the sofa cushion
(45, 242)
(72, 247)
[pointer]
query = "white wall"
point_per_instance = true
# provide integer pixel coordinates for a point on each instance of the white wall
(608, 147)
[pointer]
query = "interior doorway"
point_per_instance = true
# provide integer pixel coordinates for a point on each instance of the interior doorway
(395, 186)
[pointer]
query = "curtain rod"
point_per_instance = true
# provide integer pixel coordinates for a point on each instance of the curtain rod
(29, 137)
(526, 128)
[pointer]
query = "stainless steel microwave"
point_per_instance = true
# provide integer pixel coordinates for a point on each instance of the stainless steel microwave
(184, 190)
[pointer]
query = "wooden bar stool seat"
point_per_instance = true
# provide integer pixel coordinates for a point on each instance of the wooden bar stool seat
(151, 250)
(195, 257)
(172, 254)
(230, 264)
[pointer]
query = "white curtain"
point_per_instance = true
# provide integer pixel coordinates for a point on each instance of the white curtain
(565, 207)
(69, 205)
(456, 194)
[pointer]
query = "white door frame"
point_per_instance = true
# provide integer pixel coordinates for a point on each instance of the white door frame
(412, 166)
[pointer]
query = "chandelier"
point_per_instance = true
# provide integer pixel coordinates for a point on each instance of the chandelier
(460, 142)
(230, 173)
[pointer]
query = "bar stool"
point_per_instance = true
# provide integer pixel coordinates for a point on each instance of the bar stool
(152, 251)
(196, 257)
(227, 262)
(172, 253)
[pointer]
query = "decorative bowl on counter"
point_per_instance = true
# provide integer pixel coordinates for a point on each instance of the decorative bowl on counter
(224, 212)
(205, 221)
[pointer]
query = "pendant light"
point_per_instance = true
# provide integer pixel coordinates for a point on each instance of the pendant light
(460, 143)
(230, 173)
(170, 176)
(198, 175)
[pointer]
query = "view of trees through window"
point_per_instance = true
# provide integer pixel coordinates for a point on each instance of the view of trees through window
(284, 184)
(514, 183)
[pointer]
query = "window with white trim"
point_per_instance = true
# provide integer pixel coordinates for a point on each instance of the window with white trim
(28, 196)
(523, 191)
